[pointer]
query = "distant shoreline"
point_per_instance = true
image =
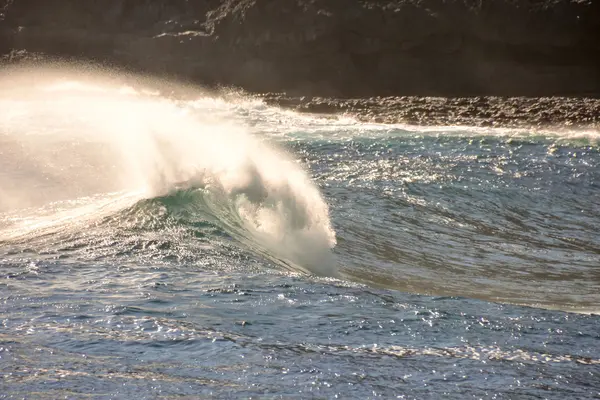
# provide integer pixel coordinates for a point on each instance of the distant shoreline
(554, 112)
(496, 112)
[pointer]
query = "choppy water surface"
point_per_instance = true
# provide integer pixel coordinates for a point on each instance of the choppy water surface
(156, 245)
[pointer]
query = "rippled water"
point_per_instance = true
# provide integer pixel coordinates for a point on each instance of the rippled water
(503, 219)
(196, 246)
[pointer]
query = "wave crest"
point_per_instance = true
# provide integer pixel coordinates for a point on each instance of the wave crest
(86, 137)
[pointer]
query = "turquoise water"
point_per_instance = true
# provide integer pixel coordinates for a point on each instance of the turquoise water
(165, 246)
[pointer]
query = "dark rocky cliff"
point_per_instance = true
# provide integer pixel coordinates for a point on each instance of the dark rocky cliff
(328, 47)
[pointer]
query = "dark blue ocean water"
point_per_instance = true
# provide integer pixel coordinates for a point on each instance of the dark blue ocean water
(220, 248)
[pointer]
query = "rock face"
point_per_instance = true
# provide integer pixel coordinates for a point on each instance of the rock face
(348, 48)
(556, 113)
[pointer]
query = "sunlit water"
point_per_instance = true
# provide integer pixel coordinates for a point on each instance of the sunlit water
(161, 242)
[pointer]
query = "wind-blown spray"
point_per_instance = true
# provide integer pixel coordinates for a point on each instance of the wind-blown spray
(80, 146)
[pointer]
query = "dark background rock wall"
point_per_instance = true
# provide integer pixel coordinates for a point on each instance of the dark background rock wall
(343, 48)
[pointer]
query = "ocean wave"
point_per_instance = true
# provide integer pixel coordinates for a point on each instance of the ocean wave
(83, 150)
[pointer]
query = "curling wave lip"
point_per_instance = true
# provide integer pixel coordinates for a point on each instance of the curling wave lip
(85, 135)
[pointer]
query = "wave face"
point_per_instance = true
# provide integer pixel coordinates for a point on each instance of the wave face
(90, 152)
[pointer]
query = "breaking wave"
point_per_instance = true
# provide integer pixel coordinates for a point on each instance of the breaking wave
(88, 148)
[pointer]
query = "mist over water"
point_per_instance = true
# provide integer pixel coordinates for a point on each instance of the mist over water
(156, 238)
(81, 145)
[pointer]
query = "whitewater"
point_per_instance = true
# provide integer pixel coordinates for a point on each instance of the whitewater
(114, 145)
(158, 239)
